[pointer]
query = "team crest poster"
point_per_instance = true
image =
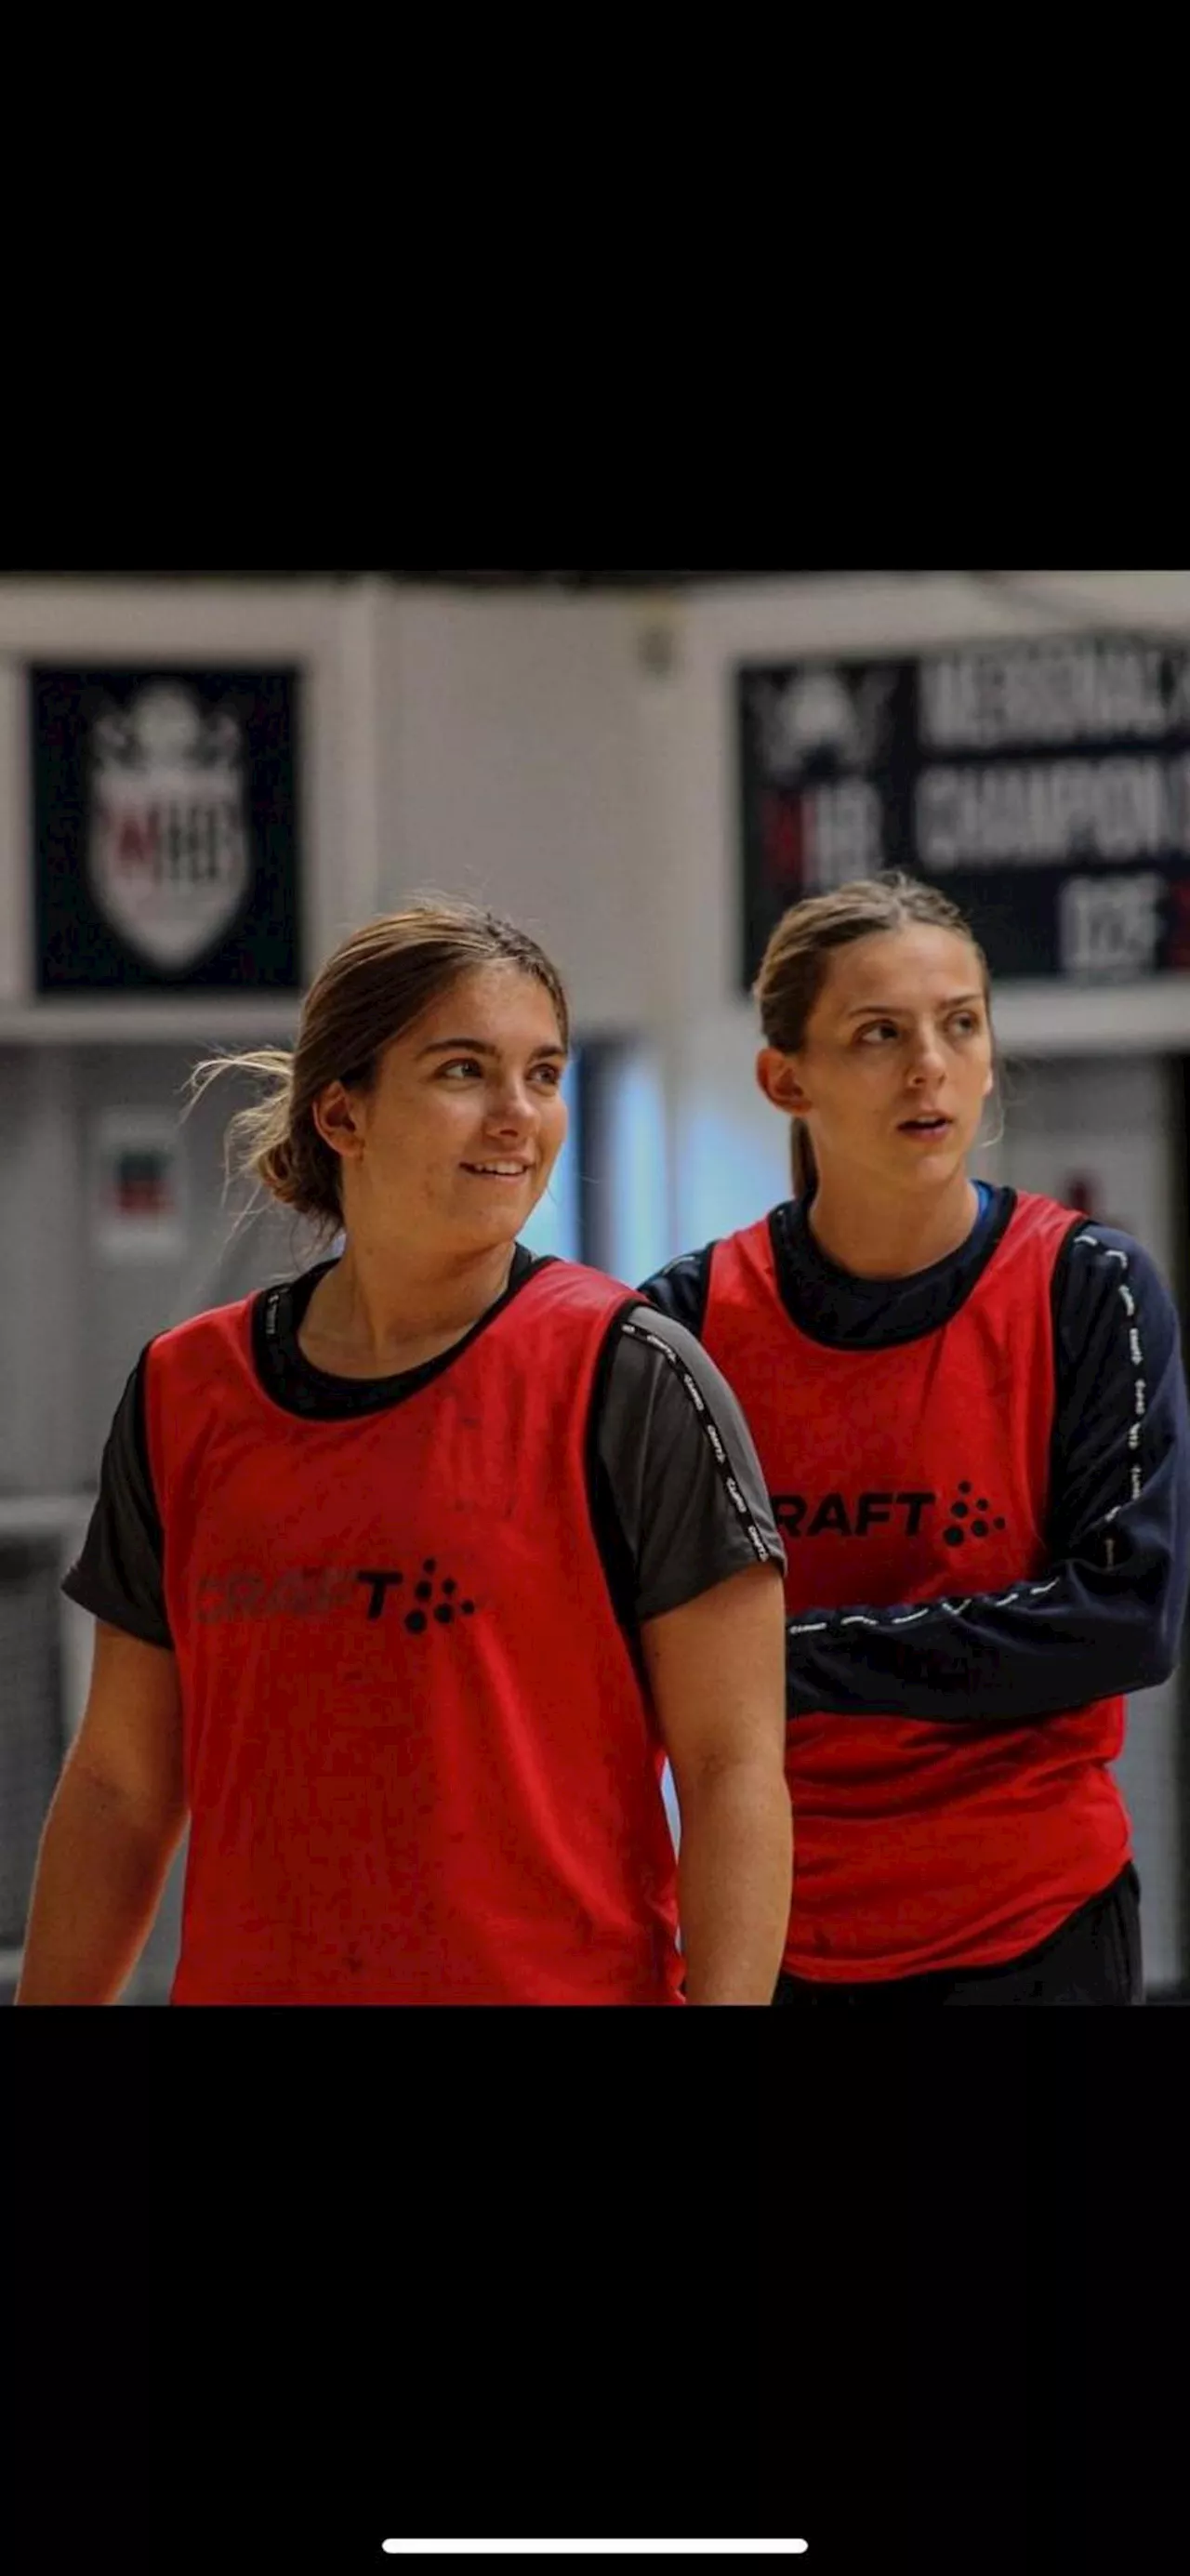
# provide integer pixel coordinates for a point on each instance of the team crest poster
(166, 829)
(1044, 785)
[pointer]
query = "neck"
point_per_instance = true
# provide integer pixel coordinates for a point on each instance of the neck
(383, 1308)
(891, 1235)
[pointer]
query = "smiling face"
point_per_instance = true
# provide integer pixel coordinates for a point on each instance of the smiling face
(452, 1147)
(896, 1062)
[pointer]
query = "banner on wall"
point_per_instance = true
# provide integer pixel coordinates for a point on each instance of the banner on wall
(165, 829)
(137, 1199)
(1043, 785)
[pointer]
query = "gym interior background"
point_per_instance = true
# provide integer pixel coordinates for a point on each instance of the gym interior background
(634, 764)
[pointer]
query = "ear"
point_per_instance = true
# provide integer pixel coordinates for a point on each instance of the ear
(335, 1115)
(778, 1079)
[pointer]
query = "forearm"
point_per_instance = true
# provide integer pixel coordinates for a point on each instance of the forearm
(735, 1882)
(100, 1873)
(1105, 1616)
(1036, 1649)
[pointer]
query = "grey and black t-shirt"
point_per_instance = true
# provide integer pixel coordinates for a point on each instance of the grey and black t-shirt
(678, 1500)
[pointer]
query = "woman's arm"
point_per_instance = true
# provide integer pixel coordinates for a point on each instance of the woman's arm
(695, 1565)
(1105, 1615)
(115, 1822)
(716, 1671)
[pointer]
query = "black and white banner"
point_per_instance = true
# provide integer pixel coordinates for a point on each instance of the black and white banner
(1043, 785)
(164, 807)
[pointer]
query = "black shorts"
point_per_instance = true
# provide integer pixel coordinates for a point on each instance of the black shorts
(1092, 1958)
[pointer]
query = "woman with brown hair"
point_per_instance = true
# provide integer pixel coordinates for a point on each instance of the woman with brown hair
(412, 1571)
(971, 1411)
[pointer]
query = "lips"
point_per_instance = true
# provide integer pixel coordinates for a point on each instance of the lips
(498, 1171)
(926, 1124)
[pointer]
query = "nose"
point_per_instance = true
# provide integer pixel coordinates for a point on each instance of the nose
(511, 1107)
(928, 1061)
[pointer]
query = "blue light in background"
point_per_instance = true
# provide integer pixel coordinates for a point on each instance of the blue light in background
(627, 1181)
(554, 1226)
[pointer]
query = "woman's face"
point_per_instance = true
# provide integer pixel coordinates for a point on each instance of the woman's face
(454, 1144)
(896, 1062)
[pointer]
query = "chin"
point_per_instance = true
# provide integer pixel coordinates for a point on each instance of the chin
(949, 1163)
(477, 1239)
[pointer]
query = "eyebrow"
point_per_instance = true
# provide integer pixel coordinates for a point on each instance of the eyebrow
(896, 1010)
(480, 1046)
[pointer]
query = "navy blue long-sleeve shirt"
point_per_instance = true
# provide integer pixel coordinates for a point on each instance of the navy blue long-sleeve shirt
(1107, 1614)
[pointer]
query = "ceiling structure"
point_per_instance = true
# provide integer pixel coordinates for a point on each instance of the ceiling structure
(652, 580)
